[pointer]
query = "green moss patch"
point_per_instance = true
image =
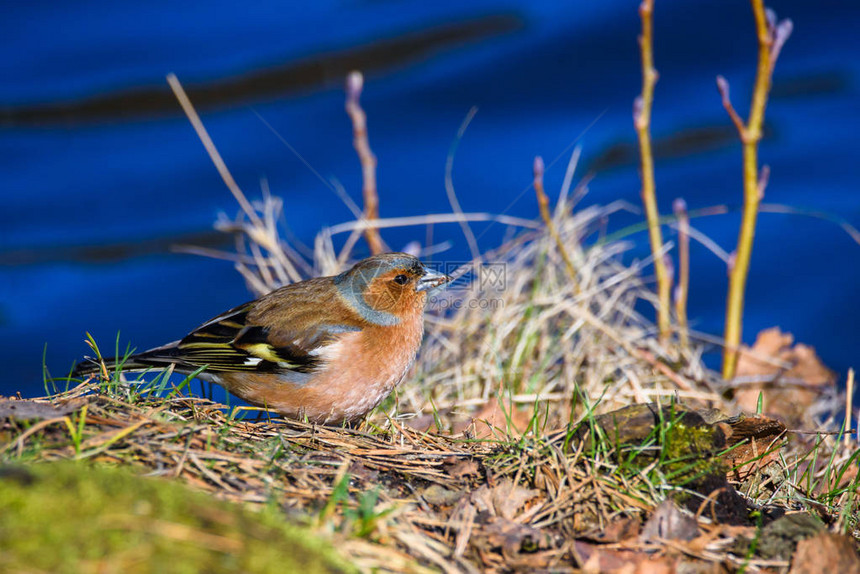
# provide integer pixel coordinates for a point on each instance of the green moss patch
(76, 518)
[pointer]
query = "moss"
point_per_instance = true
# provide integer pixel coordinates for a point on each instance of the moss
(685, 444)
(68, 517)
(690, 452)
(778, 540)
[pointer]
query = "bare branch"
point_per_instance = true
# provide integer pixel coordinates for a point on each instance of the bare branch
(354, 85)
(780, 36)
(723, 87)
(682, 290)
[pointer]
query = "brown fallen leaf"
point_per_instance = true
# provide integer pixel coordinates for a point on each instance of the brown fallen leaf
(422, 423)
(492, 420)
(513, 537)
(360, 471)
(505, 499)
(825, 552)
(461, 467)
(669, 523)
(438, 495)
(751, 438)
(800, 376)
(658, 565)
(622, 528)
(594, 559)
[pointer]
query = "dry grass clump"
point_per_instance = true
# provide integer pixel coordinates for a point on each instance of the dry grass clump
(523, 330)
(547, 319)
(514, 325)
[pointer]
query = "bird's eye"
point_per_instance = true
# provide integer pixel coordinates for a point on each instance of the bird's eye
(401, 279)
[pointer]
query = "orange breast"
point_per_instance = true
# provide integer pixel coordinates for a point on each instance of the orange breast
(361, 370)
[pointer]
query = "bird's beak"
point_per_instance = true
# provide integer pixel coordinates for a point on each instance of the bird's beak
(431, 279)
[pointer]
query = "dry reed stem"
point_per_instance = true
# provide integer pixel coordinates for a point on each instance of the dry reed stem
(543, 205)
(449, 186)
(216, 158)
(354, 85)
(849, 399)
(682, 290)
(771, 37)
(267, 253)
(642, 122)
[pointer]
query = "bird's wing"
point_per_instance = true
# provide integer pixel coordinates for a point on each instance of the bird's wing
(286, 330)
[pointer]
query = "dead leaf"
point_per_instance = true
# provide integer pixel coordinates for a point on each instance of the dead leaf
(359, 470)
(492, 420)
(825, 552)
(438, 495)
(621, 528)
(754, 436)
(505, 499)
(513, 537)
(422, 423)
(657, 565)
(597, 560)
(461, 467)
(800, 376)
(669, 523)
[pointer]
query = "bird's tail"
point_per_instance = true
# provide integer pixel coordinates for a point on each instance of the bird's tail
(156, 359)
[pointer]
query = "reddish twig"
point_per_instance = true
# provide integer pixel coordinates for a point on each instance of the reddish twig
(354, 85)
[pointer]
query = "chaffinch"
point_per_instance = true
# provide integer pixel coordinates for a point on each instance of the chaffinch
(329, 349)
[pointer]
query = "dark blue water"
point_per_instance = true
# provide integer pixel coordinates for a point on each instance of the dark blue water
(101, 172)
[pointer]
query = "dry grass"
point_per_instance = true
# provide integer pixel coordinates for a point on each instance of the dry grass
(514, 324)
(505, 369)
(396, 499)
(474, 465)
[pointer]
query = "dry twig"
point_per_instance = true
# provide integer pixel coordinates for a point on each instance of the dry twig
(682, 290)
(354, 85)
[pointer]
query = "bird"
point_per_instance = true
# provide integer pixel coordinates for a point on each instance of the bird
(327, 350)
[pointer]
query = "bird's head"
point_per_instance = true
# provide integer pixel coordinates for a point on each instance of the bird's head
(390, 286)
